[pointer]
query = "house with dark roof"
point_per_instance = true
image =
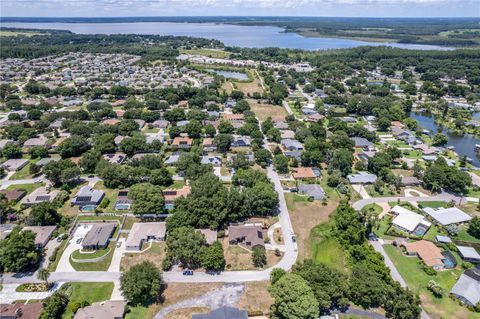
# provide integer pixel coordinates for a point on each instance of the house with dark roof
(21, 311)
(241, 141)
(313, 191)
(292, 145)
(88, 196)
(223, 312)
(249, 236)
(98, 236)
(362, 143)
(13, 195)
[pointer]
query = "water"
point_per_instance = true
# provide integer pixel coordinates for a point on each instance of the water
(464, 144)
(232, 75)
(230, 35)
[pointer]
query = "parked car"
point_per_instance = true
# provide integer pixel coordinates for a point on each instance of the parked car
(119, 244)
(372, 237)
(61, 237)
(188, 273)
(79, 240)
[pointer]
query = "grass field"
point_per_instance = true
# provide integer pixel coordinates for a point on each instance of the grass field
(26, 187)
(411, 270)
(256, 297)
(434, 204)
(265, 110)
(96, 266)
(216, 54)
(326, 249)
(7, 33)
(24, 173)
(155, 254)
(89, 291)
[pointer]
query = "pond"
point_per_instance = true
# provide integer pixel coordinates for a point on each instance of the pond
(231, 74)
(464, 144)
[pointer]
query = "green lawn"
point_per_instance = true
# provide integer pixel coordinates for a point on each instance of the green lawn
(435, 204)
(326, 249)
(53, 264)
(97, 253)
(89, 291)
(26, 187)
(411, 270)
(97, 266)
(372, 208)
(24, 173)
(386, 192)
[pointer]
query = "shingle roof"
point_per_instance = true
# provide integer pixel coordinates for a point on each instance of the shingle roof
(223, 313)
(468, 288)
(99, 234)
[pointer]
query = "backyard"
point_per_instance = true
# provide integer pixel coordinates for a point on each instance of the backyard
(87, 291)
(155, 254)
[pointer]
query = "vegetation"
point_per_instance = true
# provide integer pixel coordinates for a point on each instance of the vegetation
(141, 284)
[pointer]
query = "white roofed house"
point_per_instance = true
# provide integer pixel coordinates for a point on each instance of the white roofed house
(469, 254)
(467, 287)
(362, 178)
(447, 216)
(410, 222)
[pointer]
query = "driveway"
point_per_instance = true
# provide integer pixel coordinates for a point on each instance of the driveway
(227, 295)
(362, 191)
(117, 256)
(273, 244)
(64, 263)
(49, 249)
(5, 184)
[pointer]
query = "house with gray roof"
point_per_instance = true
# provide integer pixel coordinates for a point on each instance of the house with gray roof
(447, 216)
(294, 154)
(362, 143)
(223, 312)
(40, 195)
(313, 191)
(292, 145)
(88, 196)
(172, 159)
(144, 232)
(241, 141)
(216, 161)
(42, 234)
(362, 178)
(467, 287)
(469, 254)
(44, 161)
(98, 236)
(110, 309)
(15, 164)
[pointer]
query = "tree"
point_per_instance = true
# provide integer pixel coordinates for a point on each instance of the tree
(54, 171)
(43, 274)
(161, 177)
(212, 257)
(147, 199)
(89, 160)
(261, 199)
(105, 143)
(241, 106)
(225, 127)
(223, 142)
(54, 306)
(38, 152)
(276, 274)
(294, 299)
(210, 130)
(259, 258)
(262, 157)
(474, 227)
(72, 146)
(18, 251)
(6, 208)
(341, 160)
(280, 162)
(185, 246)
(194, 129)
(439, 139)
(141, 284)
(43, 214)
(11, 150)
(367, 287)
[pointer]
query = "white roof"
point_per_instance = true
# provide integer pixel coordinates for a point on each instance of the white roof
(407, 219)
(447, 216)
(468, 252)
(468, 288)
(142, 231)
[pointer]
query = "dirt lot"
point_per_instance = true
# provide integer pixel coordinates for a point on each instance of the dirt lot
(305, 215)
(256, 297)
(238, 258)
(249, 87)
(186, 313)
(155, 254)
(265, 110)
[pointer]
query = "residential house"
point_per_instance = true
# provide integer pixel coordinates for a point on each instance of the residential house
(467, 287)
(409, 222)
(241, 141)
(171, 194)
(182, 142)
(294, 154)
(234, 118)
(430, 254)
(363, 143)
(88, 196)
(410, 181)
(40, 195)
(292, 145)
(303, 173)
(21, 310)
(13, 195)
(223, 312)
(172, 159)
(36, 141)
(287, 134)
(115, 158)
(111, 309)
(44, 161)
(249, 236)
(281, 125)
(362, 178)
(15, 164)
(42, 234)
(216, 161)
(110, 122)
(447, 216)
(314, 191)
(209, 145)
(123, 202)
(161, 124)
(144, 232)
(98, 236)
(315, 117)
(469, 254)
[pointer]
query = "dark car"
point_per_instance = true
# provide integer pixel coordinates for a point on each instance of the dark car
(372, 237)
(188, 273)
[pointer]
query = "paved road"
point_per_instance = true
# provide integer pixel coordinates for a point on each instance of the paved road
(226, 295)
(475, 179)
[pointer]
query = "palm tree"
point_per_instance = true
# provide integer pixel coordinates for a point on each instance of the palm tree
(43, 274)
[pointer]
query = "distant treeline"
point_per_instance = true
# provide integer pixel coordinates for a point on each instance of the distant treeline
(151, 47)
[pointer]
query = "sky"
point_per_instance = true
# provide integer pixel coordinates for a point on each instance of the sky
(342, 8)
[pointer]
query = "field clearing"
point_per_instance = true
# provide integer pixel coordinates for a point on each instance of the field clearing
(7, 33)
(267, 110)
(256, 297)
(211, 53)
(155, 254)
(26, 187)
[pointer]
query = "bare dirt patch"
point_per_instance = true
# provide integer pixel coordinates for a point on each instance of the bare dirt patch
(186, 313)
(239, 258)
(256, 297)
(154, 254)
(265, 110)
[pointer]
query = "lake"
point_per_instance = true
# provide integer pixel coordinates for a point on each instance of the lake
(230, 35)
(229, 74)
(464, 144)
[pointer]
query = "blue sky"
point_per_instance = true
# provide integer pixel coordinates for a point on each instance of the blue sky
(353, 8)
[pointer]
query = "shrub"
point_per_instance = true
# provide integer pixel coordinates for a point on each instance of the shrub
(467, 265)
(435, 288)
(429, 271)
(54, 255)
(104, 203)
(167, 264)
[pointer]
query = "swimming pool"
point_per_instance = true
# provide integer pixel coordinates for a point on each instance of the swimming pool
(169, 206)
(122, 206)
(88, 208)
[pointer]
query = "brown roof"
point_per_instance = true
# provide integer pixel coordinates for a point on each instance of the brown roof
(303, 172)
(207, 141)
(110, 121)
(233, 117)
(42, 233)
(110, 309)
(426, 251)
(118, 102)
(397, 124)
(172, 194)
(23, 311)
(182, 140)
(13, 195)
(119, 113)
(250, 235)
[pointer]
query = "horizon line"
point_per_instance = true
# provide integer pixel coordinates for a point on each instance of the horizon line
(238, 16)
